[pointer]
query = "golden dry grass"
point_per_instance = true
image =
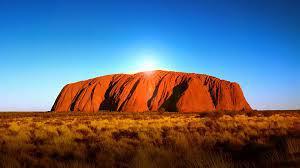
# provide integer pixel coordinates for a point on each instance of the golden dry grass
(149, 139)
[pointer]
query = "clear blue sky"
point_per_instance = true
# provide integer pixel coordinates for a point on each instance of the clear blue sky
(47, 44)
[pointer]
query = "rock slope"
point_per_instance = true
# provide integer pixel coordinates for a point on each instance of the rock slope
(152, 91)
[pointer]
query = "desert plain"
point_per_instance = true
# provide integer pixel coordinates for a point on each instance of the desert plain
(151, 139)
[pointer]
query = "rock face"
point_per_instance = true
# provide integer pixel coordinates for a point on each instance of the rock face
(152, 91)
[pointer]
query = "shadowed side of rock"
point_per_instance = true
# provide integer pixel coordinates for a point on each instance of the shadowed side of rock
(152, 91)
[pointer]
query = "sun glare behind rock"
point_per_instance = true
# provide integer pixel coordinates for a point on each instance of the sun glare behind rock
(148, 65)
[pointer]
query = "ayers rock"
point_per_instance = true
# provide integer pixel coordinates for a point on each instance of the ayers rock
(152, 91)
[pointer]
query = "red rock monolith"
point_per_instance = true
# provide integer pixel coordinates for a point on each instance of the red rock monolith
(152, 91)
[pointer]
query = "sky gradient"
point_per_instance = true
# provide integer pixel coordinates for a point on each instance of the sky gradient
(47, 44)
